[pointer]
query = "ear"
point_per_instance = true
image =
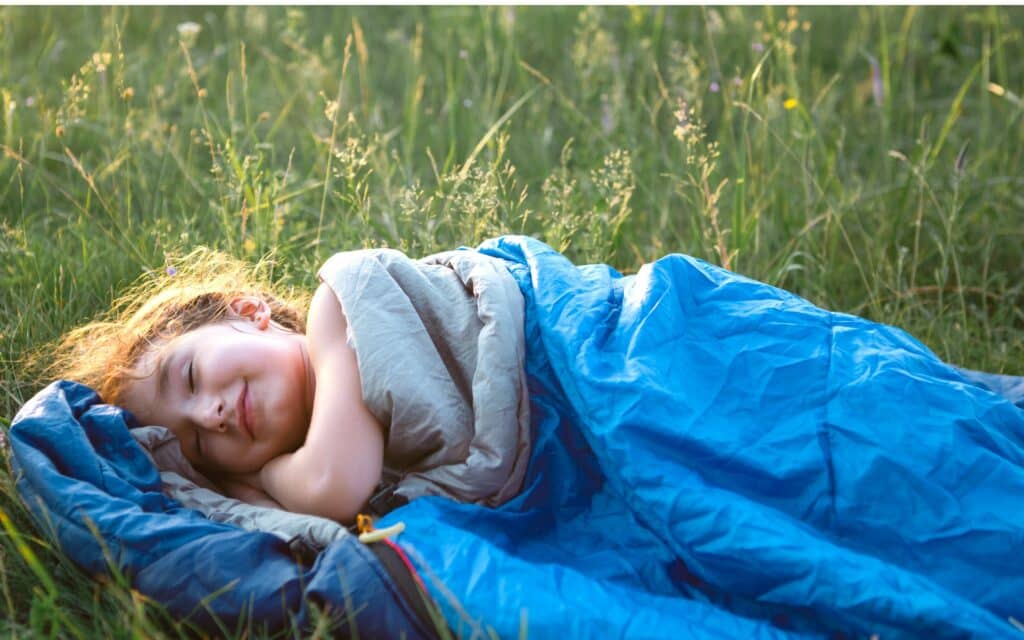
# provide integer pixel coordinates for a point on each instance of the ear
(250, 308)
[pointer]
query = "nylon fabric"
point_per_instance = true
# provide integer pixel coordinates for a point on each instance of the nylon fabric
(718, 455)
(710, 457)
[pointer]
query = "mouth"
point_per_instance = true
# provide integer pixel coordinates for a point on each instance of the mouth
(243, 409)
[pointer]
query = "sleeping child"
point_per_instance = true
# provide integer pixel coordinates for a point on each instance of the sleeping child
(270, 405)
(663, 446)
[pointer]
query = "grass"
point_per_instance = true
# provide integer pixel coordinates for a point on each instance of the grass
(868, 159)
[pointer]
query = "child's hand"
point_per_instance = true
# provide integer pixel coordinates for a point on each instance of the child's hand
(247, 488)
(251, 479)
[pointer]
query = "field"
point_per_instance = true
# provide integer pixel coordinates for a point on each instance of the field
(868, 159)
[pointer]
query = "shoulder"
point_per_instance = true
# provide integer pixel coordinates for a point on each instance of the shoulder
(326, 325)
(350, 278)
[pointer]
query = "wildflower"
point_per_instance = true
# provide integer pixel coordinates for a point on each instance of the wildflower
(30, 101)
(264, 116)
(467, 103)
(790, 104)
(189, 29)
(715, 87)
(100, 61)
(330, 107)
(463, 54)
(806, 25)
(737, 81)
(682, 121)
(758, 47)
(188, 32)
(128, 93)
(171, 271)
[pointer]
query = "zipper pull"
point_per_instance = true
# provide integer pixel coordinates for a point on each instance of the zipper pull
(368, 533)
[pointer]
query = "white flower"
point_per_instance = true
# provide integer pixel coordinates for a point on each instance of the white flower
(188, 32)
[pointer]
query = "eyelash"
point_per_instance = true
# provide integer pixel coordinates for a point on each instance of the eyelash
(192, 389)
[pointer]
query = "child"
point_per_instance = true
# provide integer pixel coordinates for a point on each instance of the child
(274, 409)
(233, 370)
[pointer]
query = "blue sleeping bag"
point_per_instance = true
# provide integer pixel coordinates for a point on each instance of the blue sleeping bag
(713, 457)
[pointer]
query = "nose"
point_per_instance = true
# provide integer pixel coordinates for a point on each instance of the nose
(211, 415)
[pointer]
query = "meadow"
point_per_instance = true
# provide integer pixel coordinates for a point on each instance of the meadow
(868, 159)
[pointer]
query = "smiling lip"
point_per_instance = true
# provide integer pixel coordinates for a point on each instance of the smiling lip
(243, 409)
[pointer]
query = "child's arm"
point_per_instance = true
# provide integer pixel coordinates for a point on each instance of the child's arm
(335, 471)
(247, 490)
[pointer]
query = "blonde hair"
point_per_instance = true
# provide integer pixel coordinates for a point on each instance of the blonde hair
(197, 290)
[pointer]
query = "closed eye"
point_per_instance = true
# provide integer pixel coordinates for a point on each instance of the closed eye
(191, 379)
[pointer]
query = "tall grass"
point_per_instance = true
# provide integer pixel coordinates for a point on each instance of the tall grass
(866, 158)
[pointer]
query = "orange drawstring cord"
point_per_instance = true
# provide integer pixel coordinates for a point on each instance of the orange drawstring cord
(368, 533)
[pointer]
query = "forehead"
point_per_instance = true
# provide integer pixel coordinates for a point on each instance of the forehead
(155, 359)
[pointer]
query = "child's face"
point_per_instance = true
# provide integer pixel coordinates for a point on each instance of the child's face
(236, 393)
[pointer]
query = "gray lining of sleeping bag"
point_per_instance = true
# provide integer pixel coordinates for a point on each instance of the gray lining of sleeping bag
(184, 484)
